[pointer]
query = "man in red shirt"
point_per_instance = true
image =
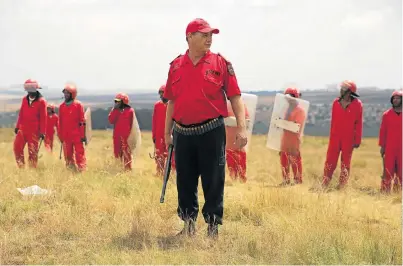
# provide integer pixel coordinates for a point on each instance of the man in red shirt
(390, 141)
(72, 129)
(197, 86)
(121, 116)
(158, 127)
(31, 124)
(52, 123)
(290, 143)
(345, 133)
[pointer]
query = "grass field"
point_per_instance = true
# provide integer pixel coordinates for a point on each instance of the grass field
(105, 216)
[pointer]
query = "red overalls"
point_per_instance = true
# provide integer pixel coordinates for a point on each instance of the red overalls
(31, 123)
(122, 121)
(345, 132)
(235, 157)
(290, 147)
(52, 123)
(390, 138)
(71, 131)
(158, 135)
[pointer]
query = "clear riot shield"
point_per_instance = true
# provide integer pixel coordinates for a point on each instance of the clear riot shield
(287, 123)
(88, 125)
(134, 139)
(250, 102)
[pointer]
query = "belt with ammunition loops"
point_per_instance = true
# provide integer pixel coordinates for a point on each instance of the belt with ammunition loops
(199, 129)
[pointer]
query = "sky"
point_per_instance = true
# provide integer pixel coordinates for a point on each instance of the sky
(110, 45)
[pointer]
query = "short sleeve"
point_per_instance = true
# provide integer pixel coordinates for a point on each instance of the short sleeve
(230, 81)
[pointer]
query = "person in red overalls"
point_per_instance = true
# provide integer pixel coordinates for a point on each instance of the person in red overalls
(236, 158)
(390, 141)
(71, 130)
(345, 133)
(31, 124)
(158, 127)
(52, 123)
(121, 116)
(290, 143)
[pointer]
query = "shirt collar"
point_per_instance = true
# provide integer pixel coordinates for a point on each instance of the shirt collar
(205, 58)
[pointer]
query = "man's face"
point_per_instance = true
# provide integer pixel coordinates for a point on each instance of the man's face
(32, 93)
(200, 41)
(345, 92)
(291, 99)
(161, 93)
(118, 104)
(67, 95)
(397, 101)
(49, 110)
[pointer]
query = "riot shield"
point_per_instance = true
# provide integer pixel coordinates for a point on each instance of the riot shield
(250, 102)
(88, 125)
(287, 123)
(134, 139)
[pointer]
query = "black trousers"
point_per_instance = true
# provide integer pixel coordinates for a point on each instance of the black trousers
(201, 155)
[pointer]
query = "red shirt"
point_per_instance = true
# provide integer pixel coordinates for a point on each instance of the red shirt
(122, 121)
(159, 114)
(199, 91)
(346, 124)
(390, 132)
(32, 117)
(71, 119)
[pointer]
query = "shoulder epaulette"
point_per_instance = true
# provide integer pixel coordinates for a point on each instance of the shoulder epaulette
(175, 59)
(220, 55)
(230, 68)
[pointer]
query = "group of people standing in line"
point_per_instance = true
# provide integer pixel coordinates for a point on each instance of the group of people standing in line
(201, 90)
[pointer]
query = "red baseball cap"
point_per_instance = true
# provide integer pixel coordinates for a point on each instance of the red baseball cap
(200, 25)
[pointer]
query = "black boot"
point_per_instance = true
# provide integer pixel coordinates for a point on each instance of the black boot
(212, 230)
(189, 228)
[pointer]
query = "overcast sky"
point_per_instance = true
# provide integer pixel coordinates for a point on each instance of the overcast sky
(121, 44)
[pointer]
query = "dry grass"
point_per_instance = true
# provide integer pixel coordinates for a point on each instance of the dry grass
(105, 216)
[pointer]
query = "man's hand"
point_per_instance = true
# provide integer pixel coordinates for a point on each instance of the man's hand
(84, 140)
(42, 136)
(382, 151)
(16, 130)
(241, 138)
(355, 146)
(168, 139)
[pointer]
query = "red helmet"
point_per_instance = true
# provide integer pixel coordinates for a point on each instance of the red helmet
(293, 91)
(51, 106)
(31, 85)
(351, 86)
(72, 89)
(122, 97)
(396, 93)
(162, 88)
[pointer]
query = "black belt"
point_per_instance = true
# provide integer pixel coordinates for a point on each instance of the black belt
(198, 129)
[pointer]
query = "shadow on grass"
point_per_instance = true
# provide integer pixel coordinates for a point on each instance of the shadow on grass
(139, 242)
(133, 241)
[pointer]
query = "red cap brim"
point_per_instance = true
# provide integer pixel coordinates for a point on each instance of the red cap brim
(213, 30)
